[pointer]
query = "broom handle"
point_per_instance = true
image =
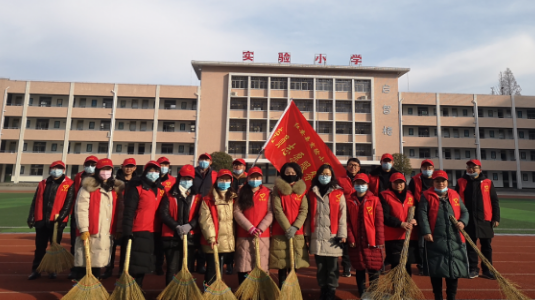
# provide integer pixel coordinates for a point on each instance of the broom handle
(127, 257)
(216, 259)
(292, 255)
(405, 250)
(87, 258)
(55, 233)
(185, 250)
(257, 249)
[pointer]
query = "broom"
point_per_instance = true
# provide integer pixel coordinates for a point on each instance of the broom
(126, 287)
(57, 259)
(290, 287)
(218, 290)
(258, 285)
(507, 288)
(89, 287)
(183, 286)
(397, 284)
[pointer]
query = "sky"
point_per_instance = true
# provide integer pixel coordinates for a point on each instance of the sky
(450, 46)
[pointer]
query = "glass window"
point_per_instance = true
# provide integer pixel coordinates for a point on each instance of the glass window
(145, 104)
(521, 134)
(134, 103)
(456, 133)
(445, 112)
(239, 82)
(36, 170)
(454, 112)
(167, 148)
(409, 111)
(24, 147)
(54, 147)
(362, 86)
(182, 127)
(465, 112)
(491, 133)
(494, 176)
(411, 152)
(94, 103)
(483, 154)
(466, 133)
(89, 148)
(493, 154)
(423, 131)
(59, 103)
(123, 104)
(183, 105)
(28, 123)
(519, 114)
(143, 126)
(362, 108)
(22, 170)
(490, 113)
(303, 84)
(120, 126)
(411, 131)
(259, 82)
(242, 104)
(279, 83)
(56, 124)
(133, 126)
(323, 84)
(343, 85)
(425, 153)
(39, 147)
(524, 176)
(180, 148)
(91, 125)
(467, 154)
(523, 155)
(422, 111)
(531, 114)
(119, 148)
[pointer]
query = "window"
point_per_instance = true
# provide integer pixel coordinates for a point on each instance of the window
(143, 126)
(493, 154)
(94, 103)
(183, 105)
(28, 123)
(39, 147)
(278, 83)
(324, 127)
(89, 148)
(500, 113)
(533, 176)
(425, 153)
(256, 126)
(169, 104)
(133, 126)
(324, 84)
(343, 128)
(237, 125)
(239, 82)
(59, 103)
(531, 134)
(182, 127)
(107, 103)
(467, 154)
(362, 86)
(255, 147)
(168, 126)
(423, 131)
(303, 84)
(343, 85)
(480, 112)
(446, 133)
(134, 103)
(523, 155)
(491, 133)
(411, 152)
(422, 111)
(494, 176)
(167, 148)
(258, 104)
(531, 114)
(501, 134)
(119, 148)
(362, 108)
(411, 131)
(36, 170)
(457, 154)
(91, 125)
(180, 148)
(324, 106)
(145, 104)
(521, 134)
(362, 128)
(56, 124)
(22, 170)
(141, 149)
(242, 104)
(304, 105)
(524, 176)
(259, 82)
(466, 133)
(445, 112)
(483, 154)
(123, 104)
(465, 112)
(54, 147)
(120, 126)
(454, 112)
(456, 133)
(409, 111)
(435, 132)
(519, 114)
(236, 147)
(343, 106)
(24, 147)
(490, 113)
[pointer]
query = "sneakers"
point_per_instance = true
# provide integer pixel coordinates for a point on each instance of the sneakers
(346, 274)
(473, 274)
(488, 275)
(34, 275)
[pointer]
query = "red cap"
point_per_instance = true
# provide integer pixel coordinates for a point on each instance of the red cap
(474, 161)
(387, 155)
(224, 172)
(427, 161)
(255, 170)
(239, 161)
(163, 160)
(440, 174)
(397, 176)
(152, 163)
(205, 155)
(362, 176)
(187, 171)
(105, 162)
(91, 158)
(57, 163)
(129, 161)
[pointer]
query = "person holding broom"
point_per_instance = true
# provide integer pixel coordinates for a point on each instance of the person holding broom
(290, 209)
(253, 215)
(445, 253)
(216, 220)
(365, 232)
(96, 217)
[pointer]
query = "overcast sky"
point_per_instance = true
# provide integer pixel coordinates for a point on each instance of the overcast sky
(450, 46)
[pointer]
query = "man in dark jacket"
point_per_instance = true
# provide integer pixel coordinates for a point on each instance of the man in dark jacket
(481, 200)
(380, 176)
(54, 195)
(204, 175)
(238, 172)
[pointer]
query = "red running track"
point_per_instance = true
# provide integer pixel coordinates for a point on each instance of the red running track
(514, 257)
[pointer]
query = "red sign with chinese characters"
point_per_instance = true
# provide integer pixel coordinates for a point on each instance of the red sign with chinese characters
(355, 59)
(248, 55)
(294, 140)
(285, 57)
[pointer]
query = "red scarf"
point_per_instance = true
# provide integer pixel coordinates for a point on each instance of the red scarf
(434, 204)
(334, 205)
(59, 200)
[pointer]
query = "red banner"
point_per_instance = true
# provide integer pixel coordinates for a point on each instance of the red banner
(294, 140)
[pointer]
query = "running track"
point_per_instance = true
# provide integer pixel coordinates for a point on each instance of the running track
(514, 257)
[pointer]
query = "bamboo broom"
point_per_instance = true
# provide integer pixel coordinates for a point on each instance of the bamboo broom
(57, 259)
(258, 285)
(508, 289)
(126, 287)
(218, 290)
(290, 287)
(183, 286)
(397, 284)
(89, 287)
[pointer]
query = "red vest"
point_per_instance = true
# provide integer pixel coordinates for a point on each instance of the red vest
(214, 177)
(145, 219)
(77, 183)
(59, 200)
(347, 185)
(168, 184)
(485, 192)
(417, 186)
(290, 207)
(373, 186)
(94, 212)
(434, 204)
(334, 205)
(400, 211)
(173, 211)
(256, 214)
(369, 204)
(209, 200)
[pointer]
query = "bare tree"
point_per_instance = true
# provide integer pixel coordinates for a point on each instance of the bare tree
(507, 84)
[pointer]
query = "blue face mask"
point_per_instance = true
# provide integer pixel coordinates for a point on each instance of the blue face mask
(361, 188)
(153, 176)
(186, 184)
(441, 191)
(223, 186)
(165, 170)
(386, 166)
(237, 172)
(427, 173)
(324, 179)
(56, 173)
(204, 164)
(89, 169)
(473, 175)
(254, 183)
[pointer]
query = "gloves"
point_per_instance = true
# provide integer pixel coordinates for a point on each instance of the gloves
(85, 235)
(290, 233)
(183, 229)
(252, 231)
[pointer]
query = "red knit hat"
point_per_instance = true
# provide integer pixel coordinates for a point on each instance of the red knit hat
(163, 160)
(91, 158)
(397, 176)
(224, 172)
(57, 163)
(105, 162)
(129, 161)
(440, 174)
(363, 177)
(152, 163)
(387, 155)
(187, 171)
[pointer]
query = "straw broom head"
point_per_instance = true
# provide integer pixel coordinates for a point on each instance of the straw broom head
(89, 287)
(218, 290)
(290, 287)
(183, 286)
(126, 287)
(258, 285)
(57, 259)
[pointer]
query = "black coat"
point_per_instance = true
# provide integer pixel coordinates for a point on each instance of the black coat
(120, 176)
(384, 177)
(202, 183)
(473, 200)
(183, 209)
(49, 196)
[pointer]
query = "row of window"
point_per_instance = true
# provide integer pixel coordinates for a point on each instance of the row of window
(303, 105)
(490, 113)
(303, 84)
(342, 149)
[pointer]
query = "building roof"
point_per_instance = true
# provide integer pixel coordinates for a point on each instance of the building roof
(198, 65)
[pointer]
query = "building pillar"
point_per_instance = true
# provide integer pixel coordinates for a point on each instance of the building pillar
(372, 111)
(2, 113)
(439, 134)
(400, 117)
(517, 152)
(248, 119)
(112, 122)
(334, 117)
(197, 125)
(3, 174)
(155, 123)
(16, 171)
(353, 139)
(68, 125)
(476, 117)
(314, 108)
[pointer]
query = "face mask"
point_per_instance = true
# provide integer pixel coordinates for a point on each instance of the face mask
(361, 188)
(153, 176)
(56, 173)
(427, 173)
(473, 175)
(442, 191)
(289, 178)
(324, 179)
(186, 184)
(204, 164)
(105, 174)
(237, 172)
(254, 183)
(223, 186)
(386, 166)
(165, 170)
(89, 169)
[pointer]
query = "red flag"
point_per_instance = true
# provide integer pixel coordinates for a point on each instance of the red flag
(294, 140)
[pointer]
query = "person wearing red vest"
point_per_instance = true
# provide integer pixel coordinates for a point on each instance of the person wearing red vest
(96, 212)
(481, 200)
(444, 246)
(253, 215)
(205, 176)
(326, 228)
(142, 199)
(365, 232)
(380, 176)
(396, 201)
(179, 212)
(54, 195)
(290, 209)
(216, 221)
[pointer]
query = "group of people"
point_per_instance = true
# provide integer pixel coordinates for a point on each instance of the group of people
(359, 217)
